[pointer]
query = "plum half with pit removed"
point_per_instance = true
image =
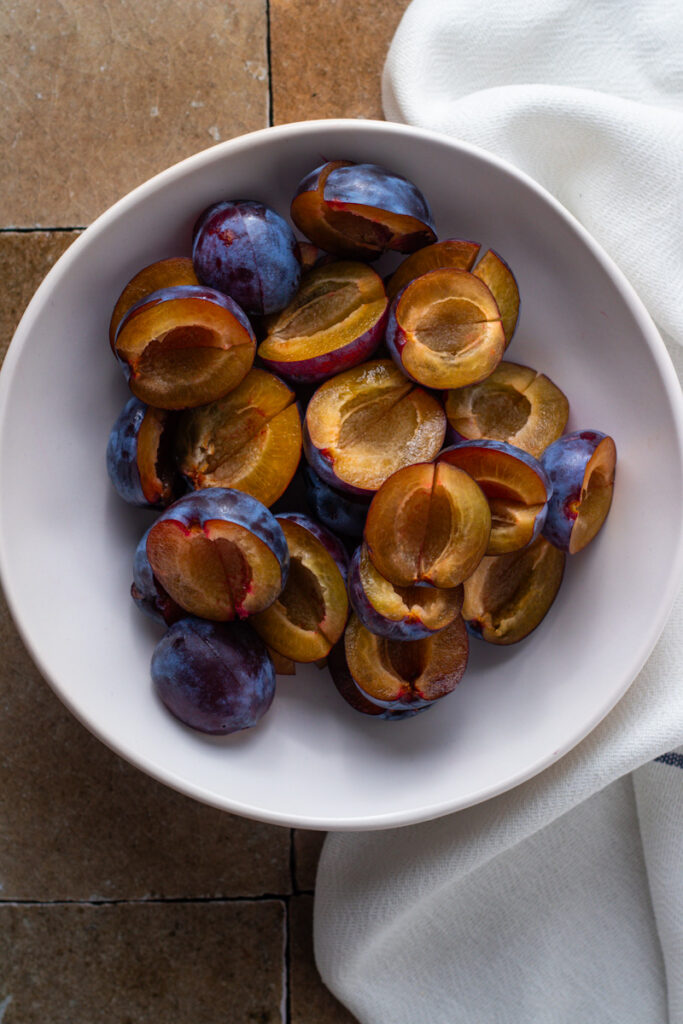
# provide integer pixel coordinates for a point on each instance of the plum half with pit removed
(359, 211)
(184, 346)
(581, 467)
(399, 613)
(515, 484)
(428, 524)
(220, 554)
(514, 404)
(168, 273)
(215, 677)
(309, 615)
(249, 440)
(335, 321)
(364, 424)
(140, 460)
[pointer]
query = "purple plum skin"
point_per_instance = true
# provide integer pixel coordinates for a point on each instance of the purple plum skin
(328, 540)
(339, 512)
(248, 251)
(373, 620)
(215, 677)
(371, 185)
(525, 457)
(565, 463)
(122, 453)
(322, 367)
(148, 593)
(393, 338)
(199, 507)
(356, 698)
(182, 291)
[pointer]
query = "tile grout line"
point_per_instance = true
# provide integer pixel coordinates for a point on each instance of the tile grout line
(145, 901)
(270, 65)
(41, 230)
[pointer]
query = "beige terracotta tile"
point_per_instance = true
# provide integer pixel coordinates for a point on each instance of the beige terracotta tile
(78, 823)
(99, 96)
(310, 1001)
(307, 847)
(183, 963)
(327, 58)
(25, 259)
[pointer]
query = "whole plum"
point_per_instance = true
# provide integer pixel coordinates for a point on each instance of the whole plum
(248, 251)
(215, 677)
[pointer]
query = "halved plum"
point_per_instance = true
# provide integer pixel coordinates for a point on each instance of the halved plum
(341, 513)
(400, 613)
(146, 591)
(449, 252)
(364, 424)
(335, 321)
(162, 274)
(184, 346)
(361, 210)
(346, 688)
(406, 674)
(428, 524)
(514, 404)
(507, 596)
(515, 484)
(140, 461)
(248, 251)
(444, 329)
(581, 467)
(219, 554)
(325, 536)
(309, 616)
(496, 274)
(249, 440)
(216, 677)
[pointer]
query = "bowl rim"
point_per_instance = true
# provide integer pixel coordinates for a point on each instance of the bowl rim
(645, 324)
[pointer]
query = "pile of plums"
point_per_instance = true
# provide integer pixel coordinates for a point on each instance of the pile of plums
(444, 467)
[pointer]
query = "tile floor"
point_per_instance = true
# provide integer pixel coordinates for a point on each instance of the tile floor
(120, 900)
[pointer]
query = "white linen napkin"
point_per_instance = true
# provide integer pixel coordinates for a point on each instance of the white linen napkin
(560, 902)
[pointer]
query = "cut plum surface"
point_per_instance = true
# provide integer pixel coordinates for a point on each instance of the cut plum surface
(515, 484)
(309, 615)
(496, 274)
(361, 210)
(283, 666)
(346, 687)
(335, 321)
(184, 346)
(450, 252)
(146, 591)
(400, 613)
(514, 404)
(167, 273)
(215, 677)
(248, 251)
(140, 461)
(326, 537)
(581, 467)
(428, 524)
(249, 440)
(444, 329)
(364, 424)
(219, 554)
(509, 595)
(406, 674)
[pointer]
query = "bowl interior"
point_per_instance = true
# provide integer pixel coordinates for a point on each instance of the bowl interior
(66, 540)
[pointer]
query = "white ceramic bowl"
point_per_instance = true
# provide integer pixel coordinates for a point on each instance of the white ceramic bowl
(66, 539)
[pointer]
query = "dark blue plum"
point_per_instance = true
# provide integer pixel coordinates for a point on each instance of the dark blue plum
(328, 540)
(150, 487)
(148, 593)
(581, 467)
(248, 251)
(215, 677)
(341, 513)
